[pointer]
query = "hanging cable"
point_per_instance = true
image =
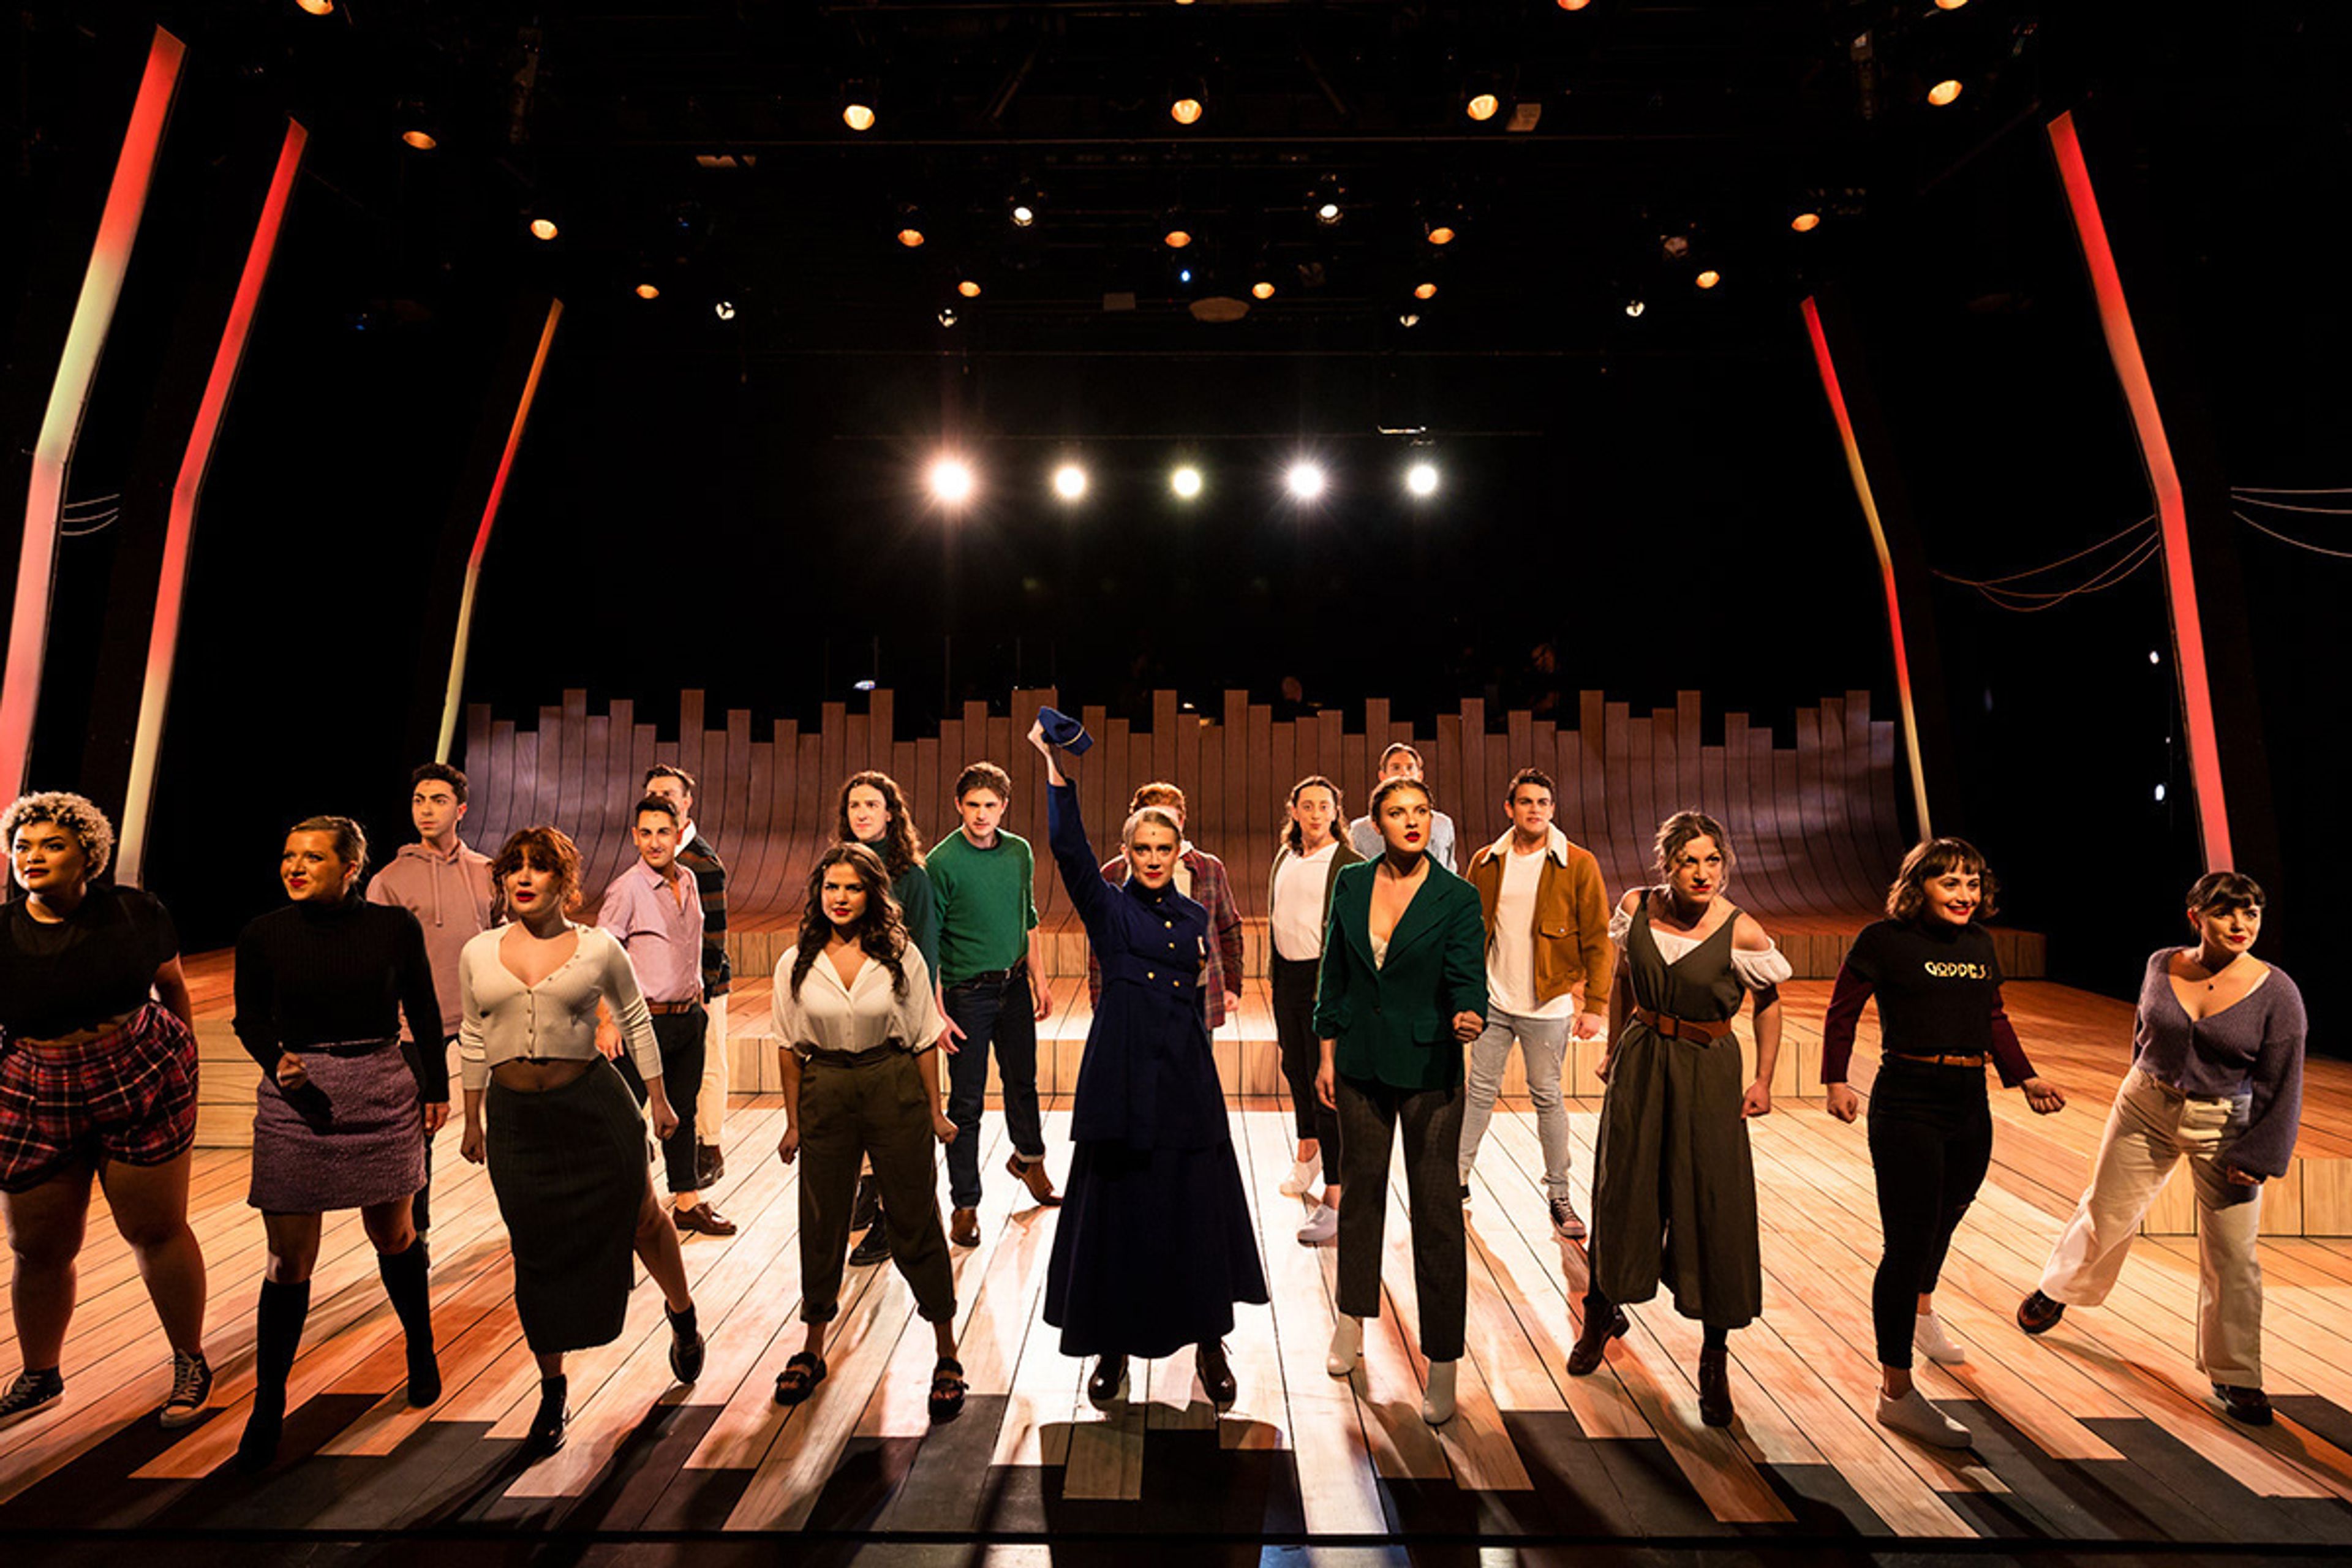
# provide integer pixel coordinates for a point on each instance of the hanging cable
(2249, 498)
(2288, 538)
(1981, 583)
(2002, 598)
(2273, 490)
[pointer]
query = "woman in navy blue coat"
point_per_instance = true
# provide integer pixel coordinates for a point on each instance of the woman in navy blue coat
(1154, 1243)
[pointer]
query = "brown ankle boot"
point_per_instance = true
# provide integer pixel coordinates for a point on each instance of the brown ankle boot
(1715, 1385)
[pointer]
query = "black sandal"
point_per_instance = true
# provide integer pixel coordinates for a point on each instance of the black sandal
(799, 1379)
(948, 1388)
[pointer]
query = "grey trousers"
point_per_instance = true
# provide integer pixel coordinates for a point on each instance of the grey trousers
(1370, 1115)
(854, 1108)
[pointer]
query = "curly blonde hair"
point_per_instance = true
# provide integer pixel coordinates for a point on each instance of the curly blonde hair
(78, 815)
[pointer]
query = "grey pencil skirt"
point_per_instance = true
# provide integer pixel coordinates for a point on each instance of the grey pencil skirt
(568, 1165)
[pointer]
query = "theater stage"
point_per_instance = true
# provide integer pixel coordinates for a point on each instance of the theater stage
(2099, 1434)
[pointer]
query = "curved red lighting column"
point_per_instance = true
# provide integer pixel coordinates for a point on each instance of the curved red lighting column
(2163, 479)
(163, 641)
(449, 702)
(101, 288)
(1861, 477)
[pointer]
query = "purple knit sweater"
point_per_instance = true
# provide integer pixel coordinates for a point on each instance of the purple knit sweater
(2250, 1050)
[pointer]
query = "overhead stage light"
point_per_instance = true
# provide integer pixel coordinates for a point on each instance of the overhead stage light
(1304, 479)
(948, 317)
(1634, 307)
(1424, 290)
(1024, 215)
(1411, 319)
(1944, 91)
(1328, 213)
(1185, 482)
(316, 7)
(1949, 4)
(1422, 479)
(1324, 200)
(423, 140)
(1708, 279)
(952, 480)
(543, 228)
(857, 105)
(968, 289)
(1805, 223)
(1574, 4)
(1441, 233)
(911, 237)
(649, 292)
(1069, 481)
(1262, 289)
(724, 309)
(1482, 106)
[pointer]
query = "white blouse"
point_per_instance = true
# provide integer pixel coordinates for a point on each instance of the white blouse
(1758, 970)
(504, 1020)
(864, 1015)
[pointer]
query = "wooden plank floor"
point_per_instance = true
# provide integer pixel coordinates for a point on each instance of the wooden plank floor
(2097, 1433)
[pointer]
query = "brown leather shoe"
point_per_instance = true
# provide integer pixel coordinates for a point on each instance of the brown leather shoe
(963, 1227)
(1033, 1177)
(2038, 1314)
(1593, 1341)
(710, 1164)
(2251, 1406)
(1714, 1386)
(703, 1218)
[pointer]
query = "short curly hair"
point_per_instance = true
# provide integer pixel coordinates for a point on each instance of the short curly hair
(78, 815)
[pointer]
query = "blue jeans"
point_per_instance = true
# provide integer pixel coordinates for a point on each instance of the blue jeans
(1544, 1043)
(1002, 1013)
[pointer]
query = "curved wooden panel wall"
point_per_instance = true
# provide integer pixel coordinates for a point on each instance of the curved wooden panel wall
(1815, 823)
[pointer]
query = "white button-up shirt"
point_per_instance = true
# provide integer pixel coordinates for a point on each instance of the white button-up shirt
(863, 1015)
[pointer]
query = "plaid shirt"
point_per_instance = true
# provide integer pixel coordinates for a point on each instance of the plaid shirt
(1213, 891)
(697, 856)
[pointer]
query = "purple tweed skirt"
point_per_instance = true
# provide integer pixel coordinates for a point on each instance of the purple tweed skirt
(353, 1135)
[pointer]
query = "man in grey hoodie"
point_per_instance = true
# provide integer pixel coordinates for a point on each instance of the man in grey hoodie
(447, 885)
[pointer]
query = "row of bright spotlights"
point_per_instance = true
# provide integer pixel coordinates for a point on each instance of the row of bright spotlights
(953, 481)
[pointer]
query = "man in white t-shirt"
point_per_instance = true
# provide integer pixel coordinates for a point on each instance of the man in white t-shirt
(1549, 965)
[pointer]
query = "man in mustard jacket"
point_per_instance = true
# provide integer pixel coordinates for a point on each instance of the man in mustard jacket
(1548, 965)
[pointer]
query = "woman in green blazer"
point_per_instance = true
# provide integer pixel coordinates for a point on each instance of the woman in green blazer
(1403, 987)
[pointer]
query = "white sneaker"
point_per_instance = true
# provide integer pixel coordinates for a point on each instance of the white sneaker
(1437, 1399)
(1565, 1222)
(1301, 1179)
(1347, 1345)
(1913, 1418)
(1936, 1344)
(1322, 1227)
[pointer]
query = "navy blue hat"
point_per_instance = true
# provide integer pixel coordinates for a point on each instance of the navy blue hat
(1063, 731)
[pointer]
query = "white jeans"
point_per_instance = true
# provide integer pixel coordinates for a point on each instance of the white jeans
(2150, 1130)
(710, 1099)
(1543, 1042)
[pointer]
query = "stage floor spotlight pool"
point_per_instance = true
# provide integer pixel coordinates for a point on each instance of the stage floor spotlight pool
(1185, 482)
(1304, 479)
(1422, 479)
(952, 480)
(1069, 481)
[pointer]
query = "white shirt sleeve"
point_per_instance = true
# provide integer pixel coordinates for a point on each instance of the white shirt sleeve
(1761, 969)
(473, 1049)
(918, 1012)
(783, 1012)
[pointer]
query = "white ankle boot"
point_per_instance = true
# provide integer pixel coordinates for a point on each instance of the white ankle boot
(1347, 1346)
(1914, 1416)
(1437, 1399)
(1936, 1344)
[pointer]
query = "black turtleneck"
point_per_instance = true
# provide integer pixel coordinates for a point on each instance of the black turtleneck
(310, 974)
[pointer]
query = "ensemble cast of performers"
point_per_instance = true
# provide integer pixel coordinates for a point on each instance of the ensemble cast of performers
(1387, 970)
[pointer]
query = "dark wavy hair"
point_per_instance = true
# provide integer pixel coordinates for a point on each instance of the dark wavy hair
(880, 932)
(1929, 858)
(902, 844)
(2218, 892)
(1291, 834)
(542, 848)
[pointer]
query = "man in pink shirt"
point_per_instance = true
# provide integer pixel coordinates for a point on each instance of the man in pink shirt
(654, 911)
(447, 885)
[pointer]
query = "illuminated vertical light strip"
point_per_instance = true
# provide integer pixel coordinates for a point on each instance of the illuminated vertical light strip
(2164, 479)
(171, 587)
(482, 538)
(101, 287)
(1861, 477)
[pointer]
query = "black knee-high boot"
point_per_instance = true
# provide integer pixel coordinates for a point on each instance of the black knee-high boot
(277, 1336)
(404, 1280)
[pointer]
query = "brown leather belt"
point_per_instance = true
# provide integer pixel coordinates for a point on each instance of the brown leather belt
(1942, 1061)
(667, 1008)
(1674, 1029)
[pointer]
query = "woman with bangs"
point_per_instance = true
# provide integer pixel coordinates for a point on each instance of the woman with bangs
(2217, 1080)
(855, 1022)
(565, 1143)
(1673, 1182)
(1155, 1245)
(1931, 966)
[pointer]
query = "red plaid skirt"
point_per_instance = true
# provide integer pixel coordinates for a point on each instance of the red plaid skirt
(128, 1096)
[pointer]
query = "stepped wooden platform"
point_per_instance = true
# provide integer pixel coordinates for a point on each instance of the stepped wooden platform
(1816, 823)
